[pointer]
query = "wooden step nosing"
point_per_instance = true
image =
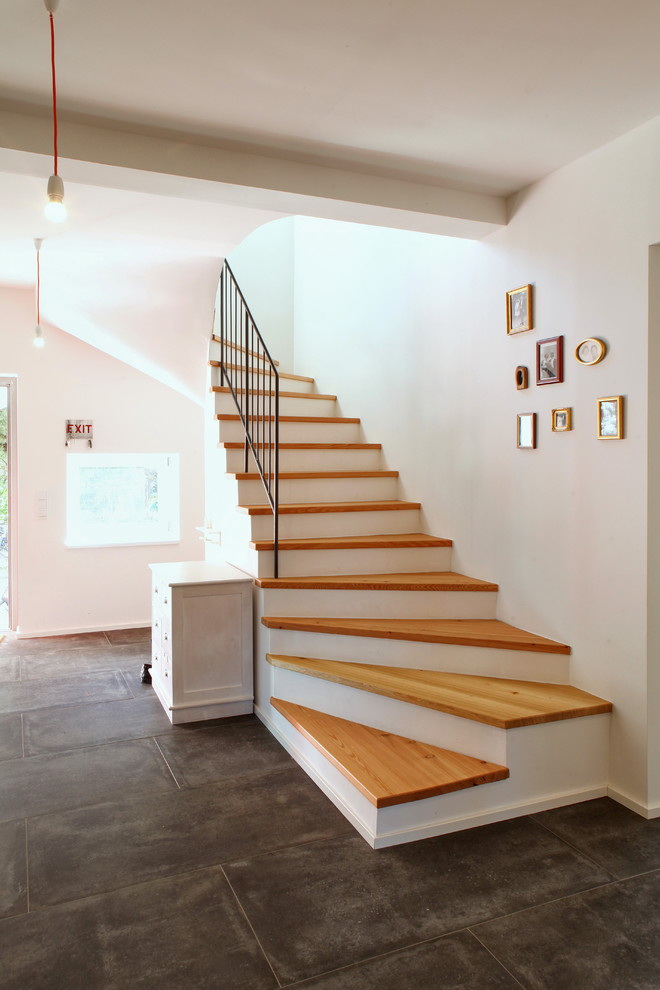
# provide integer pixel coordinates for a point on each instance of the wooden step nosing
(282, 374)
(429, 581)
(314, 475)
(453, 701)
(240, 445)
(325, 507)
(319, 420)
(414, 541)
(225, 390)
(412, 633)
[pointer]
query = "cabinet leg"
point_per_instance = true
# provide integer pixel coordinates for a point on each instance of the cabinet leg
(145, 673)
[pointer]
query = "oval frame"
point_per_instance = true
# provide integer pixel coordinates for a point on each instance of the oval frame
(600, 344)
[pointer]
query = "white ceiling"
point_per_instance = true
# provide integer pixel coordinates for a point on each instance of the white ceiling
(483, 96)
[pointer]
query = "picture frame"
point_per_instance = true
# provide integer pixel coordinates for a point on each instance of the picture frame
(610, 417)
(522, 377)
(550, 361)
(526, 431)
(591, 350)
(562, 420)
(519, 310)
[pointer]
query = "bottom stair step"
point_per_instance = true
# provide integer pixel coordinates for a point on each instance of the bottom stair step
(387, 769)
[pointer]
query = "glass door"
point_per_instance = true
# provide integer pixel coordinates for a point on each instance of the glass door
(6, 501)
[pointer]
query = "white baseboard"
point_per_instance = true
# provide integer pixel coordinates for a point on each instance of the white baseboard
(646, 811)
(37, 634)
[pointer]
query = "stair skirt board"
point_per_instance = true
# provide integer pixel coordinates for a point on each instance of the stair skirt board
(440, 815)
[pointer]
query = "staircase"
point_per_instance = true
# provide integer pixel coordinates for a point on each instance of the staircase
(384, 673)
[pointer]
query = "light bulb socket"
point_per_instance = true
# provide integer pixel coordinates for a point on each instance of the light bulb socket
(51, 5)
(38, 339)
(55, 189)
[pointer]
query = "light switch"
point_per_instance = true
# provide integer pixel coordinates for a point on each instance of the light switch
(41, 505)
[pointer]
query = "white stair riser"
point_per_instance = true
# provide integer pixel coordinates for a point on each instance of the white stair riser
(381, 604)
(485, 742)
(322, 490)
(313, 459)
(299, 432)
(261, 381)
(224, 403)
(308, 524)
(296, 563)
(516, 664)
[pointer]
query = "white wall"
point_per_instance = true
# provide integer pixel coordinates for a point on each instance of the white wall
(409, 330)
(263, 266)
(59, 589)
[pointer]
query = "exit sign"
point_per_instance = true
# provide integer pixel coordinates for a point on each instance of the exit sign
(79, 429)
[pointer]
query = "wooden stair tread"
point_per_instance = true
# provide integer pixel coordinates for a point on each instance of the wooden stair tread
(282, 374)
(459, 632)
(386, 768)
(314, 475)
(301, 507)
(233, 346)
(420, 581)
(225, 390)
(388, 541)
(235, 418)
(240, 445)
(507, 704)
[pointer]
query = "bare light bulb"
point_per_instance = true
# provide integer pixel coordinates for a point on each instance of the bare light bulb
(38, 339)
(55, 210)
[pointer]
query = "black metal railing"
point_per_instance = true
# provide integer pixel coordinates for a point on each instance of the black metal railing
(247, 368)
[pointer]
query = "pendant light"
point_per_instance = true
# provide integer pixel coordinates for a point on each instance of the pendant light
(38, 339)
(55, 209)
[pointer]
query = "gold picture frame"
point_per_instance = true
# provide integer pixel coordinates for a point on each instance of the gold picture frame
(562, 420)
(610, 417)
(591, 350)
(519, 310)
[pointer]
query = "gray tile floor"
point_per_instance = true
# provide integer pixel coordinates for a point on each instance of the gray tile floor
(137, 854)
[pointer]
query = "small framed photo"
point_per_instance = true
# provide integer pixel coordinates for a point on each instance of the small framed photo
(562, 420)
(519, 313)
(522, 377)
(550, 361)
(610, 417)
(591, 351)
(526, 431)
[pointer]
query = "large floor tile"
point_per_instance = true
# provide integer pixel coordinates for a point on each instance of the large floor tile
(185, 933)
(53, 730)
(120, 637)
(154, 835)
(74, 662)
(48, 644)
(11, 737)
(38, 785)
(605, 939)
(312, 905)
(621, 841)
(13, 869)
(454, 962)
(236, 748)
(24, 696)
(10, 668)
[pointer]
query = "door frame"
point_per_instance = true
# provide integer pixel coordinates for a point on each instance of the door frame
(10, 382)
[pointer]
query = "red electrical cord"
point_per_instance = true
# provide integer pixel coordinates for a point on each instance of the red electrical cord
(52, 65)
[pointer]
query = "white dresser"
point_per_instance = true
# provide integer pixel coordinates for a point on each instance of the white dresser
(201, 640)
